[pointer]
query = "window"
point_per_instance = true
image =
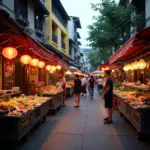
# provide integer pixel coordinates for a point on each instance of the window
(38, 21)
(21, 9)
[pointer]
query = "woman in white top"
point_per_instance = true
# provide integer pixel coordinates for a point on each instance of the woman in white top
(100, 83)
(60, 84)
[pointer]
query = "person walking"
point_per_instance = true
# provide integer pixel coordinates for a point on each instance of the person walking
(100, 85)
(91, 86)
(77, 90)
(108, 96)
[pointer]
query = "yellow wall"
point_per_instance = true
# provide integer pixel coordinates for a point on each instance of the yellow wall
(60, 28)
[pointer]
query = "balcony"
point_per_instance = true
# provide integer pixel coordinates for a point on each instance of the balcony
(58, 15)
(54, 38)
(63, 45)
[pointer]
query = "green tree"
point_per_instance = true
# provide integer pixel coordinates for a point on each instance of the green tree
(98, 57)
(110, 27)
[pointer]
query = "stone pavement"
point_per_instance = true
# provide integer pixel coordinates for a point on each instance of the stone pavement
(83, 129)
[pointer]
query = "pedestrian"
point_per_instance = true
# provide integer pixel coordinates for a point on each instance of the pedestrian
(91, 86)
(83, 81)
(64, 91)
(61, 86)
(77, 90)
(100, 85)
(108, 96)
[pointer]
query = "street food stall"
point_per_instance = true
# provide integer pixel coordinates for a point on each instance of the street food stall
(24, 65)
(133, 95)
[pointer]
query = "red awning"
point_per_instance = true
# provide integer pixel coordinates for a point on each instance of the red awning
(40, 51)
(135, 44)
(108, 66)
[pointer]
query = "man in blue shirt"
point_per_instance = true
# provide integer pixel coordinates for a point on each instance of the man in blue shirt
(108, 96)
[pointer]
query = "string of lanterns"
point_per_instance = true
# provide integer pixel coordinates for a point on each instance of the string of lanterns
(11, 52)
(135, 65)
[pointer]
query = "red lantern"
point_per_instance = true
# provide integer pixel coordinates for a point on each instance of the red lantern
(9, 52)
(25, 59)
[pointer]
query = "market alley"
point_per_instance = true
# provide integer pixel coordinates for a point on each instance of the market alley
(83, 129)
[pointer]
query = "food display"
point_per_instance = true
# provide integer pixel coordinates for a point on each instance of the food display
(50, 90)
(69, 84)
(137, 85)
(21, 105)
(135, 98)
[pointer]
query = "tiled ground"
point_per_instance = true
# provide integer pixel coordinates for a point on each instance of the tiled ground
(83, 129)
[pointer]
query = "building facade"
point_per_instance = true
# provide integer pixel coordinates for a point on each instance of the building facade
(30, 15)
(57, 26)
(74, 43)
(142, 9)
(85, 65)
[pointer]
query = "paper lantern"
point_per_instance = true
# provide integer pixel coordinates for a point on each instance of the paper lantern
(58, 67)
(25, 59)
(125, 68)
(9, 52)
(131, 66)
(53, 68)
(41, 64)
(48, 67)
(142, 64)
(135, 65)
(34, 62)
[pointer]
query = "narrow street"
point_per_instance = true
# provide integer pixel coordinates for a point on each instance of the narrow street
(83, 129)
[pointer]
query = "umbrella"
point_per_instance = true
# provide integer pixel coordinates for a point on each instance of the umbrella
(97, 72)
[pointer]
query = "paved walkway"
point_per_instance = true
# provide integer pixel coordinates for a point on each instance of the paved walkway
(83, 129)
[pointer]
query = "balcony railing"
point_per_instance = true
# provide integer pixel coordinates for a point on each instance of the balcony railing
(63, 45)
(58, 15)
(54, 38)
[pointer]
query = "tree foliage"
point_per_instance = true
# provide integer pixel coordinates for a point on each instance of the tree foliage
(110, 27)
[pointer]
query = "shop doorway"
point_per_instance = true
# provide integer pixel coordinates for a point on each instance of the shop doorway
(19, 75)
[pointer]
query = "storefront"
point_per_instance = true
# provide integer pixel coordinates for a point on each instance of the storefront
(133, 95)
(25, 66)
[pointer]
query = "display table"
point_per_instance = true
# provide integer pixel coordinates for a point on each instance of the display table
(56, 100)
(9, 95)
(138, 117)
(15, 127)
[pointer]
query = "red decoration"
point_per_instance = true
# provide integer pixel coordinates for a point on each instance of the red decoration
(9, 52)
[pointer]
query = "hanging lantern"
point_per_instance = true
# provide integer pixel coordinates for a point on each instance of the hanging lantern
(125, 68)
(53, 68)
(58, 67)
(41, 64)
(25, 59)
(135, 65)
(9, 52)
(48, 67)
(131, 66)
(34, 62)
(142, 64)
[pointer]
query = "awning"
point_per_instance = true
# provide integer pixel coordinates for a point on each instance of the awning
(11, 33)
(138, 42)
(108, 66)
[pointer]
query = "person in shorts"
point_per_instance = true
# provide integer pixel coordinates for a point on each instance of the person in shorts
(108, 96)
(77, 90)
